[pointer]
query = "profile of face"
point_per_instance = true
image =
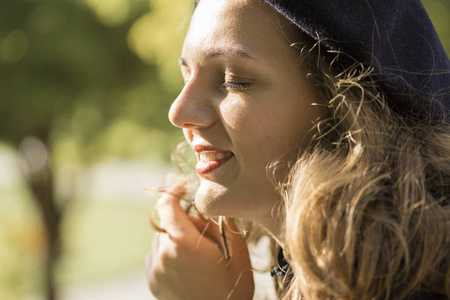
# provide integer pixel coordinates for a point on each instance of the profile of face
(246, 103)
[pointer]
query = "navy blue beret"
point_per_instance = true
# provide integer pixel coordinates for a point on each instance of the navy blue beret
(396, 37)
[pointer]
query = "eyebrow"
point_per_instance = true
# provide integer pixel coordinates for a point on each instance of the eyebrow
(210, 53)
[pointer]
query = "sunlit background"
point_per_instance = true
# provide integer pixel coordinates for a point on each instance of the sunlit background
(85, 86)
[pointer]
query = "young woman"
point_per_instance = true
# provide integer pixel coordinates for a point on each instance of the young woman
(324, 123)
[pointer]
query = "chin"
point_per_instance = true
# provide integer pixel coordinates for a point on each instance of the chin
(213, 199)
(235, 200)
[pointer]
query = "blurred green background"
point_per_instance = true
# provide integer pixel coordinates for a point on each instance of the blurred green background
(85, 86)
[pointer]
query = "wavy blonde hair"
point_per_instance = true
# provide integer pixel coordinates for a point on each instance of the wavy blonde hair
(368, 204)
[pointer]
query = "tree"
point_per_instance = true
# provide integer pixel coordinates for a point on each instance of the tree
(68, 81)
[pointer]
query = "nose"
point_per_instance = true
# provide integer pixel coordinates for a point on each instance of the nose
(193, 108)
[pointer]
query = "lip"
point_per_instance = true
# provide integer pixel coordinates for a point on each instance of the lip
(207, 148)
(205, 167)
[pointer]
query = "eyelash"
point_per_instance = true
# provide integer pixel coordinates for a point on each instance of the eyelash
(235, 85)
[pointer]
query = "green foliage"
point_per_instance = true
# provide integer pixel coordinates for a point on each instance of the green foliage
(67, 73)
(70, 75)
(439, 11)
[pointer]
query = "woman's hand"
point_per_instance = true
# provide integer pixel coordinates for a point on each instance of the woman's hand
(186, 263)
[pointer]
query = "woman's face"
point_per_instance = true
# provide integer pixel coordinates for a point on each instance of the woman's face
(246, 103)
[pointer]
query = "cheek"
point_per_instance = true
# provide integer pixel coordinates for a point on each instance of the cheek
(258, 132)
(253, 116)
(234, 113)
(270, 125)
(247, 124)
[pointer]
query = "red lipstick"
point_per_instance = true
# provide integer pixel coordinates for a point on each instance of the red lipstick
(210, 158)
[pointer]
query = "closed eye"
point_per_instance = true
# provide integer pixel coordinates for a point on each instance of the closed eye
(235, 85)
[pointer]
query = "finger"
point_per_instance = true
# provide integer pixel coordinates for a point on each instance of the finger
(173, 219)
(155, 249)
(230, 230)
(152, 257)
(148, 265)
(155, 242)
(209, 236)
(206, 228)
(223, 233)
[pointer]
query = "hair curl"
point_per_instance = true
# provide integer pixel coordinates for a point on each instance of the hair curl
(367, 205)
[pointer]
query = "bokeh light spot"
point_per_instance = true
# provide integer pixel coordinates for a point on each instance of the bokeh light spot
(110, 12)
(14, 46)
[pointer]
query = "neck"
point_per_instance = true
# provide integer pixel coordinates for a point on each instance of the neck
(273, 223)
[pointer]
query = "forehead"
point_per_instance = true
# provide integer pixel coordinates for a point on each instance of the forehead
(236, 24)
